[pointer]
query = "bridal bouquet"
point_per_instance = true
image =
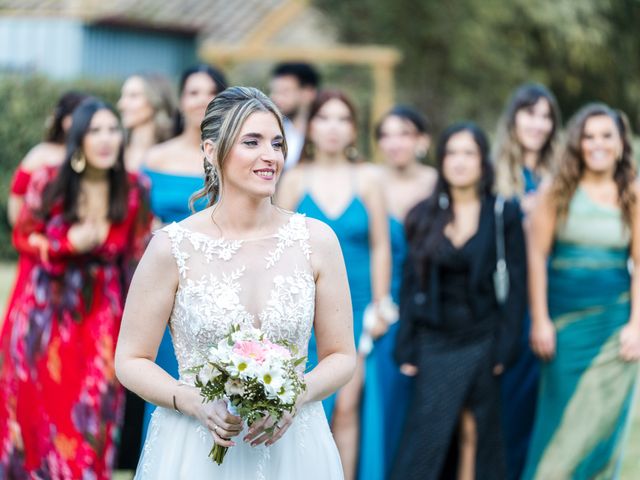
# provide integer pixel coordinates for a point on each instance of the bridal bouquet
(256, 376)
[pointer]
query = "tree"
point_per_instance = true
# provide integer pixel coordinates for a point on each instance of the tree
(464, 57)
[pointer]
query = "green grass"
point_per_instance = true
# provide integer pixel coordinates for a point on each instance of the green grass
(630, 468)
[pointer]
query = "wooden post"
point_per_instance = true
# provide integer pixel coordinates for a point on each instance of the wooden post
(383, 96)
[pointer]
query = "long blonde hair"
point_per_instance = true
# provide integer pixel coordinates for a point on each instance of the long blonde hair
(162, 99)
(222, 123)
(508, 153)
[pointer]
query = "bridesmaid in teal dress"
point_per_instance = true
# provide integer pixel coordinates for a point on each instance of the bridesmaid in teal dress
(332, 185)
(176, 172)
(403, 137)
(585, 304)
(524, 156)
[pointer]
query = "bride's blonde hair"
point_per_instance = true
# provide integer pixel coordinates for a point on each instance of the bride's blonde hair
(222, 123)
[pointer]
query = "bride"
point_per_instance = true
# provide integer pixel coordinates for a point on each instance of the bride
(240, 261)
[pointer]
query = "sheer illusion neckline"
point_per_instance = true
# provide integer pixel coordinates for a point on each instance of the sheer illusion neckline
(225, 240)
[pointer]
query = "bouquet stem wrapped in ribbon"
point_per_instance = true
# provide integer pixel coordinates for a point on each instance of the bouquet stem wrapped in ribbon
(257, 377)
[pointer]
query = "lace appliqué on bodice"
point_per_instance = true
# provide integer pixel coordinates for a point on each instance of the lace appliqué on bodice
(225, 282)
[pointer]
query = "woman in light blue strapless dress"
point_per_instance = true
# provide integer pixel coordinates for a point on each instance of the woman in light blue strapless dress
(176, 172)
(332, 185)
(403, 137)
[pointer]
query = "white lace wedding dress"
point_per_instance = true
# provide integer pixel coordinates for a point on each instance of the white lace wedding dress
(267, 282)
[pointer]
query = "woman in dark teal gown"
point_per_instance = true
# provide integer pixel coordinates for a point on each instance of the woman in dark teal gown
(523, 154)
(585, 319)
(332, 185)
(403, 138)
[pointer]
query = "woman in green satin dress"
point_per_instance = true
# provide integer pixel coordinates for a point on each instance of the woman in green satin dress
(585, 304)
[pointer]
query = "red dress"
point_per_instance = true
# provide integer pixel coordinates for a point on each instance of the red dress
(60, 402)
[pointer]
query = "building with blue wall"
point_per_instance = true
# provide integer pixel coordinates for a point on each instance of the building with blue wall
(67, 48)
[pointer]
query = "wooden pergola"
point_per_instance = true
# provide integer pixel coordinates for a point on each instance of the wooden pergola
(381, 60)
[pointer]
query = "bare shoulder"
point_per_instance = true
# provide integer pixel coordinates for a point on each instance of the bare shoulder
(293, 178)
(370, 171)
(320, 233)
(160, 156)
(635, 187)
(544, 194)
(44, 154)
(158, 252)
(290, 187)
(428, 173)
(322, 239)
(370, 178)
(199, 222)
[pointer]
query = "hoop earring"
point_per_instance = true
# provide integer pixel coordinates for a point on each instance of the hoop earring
(352, 153)
(78, 162)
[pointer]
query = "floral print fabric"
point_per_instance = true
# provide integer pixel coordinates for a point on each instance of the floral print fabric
(60, 402)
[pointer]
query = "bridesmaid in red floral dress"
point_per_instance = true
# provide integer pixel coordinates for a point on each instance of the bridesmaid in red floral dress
(83, 225)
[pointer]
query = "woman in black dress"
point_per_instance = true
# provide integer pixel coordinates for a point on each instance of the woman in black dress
(455, 335)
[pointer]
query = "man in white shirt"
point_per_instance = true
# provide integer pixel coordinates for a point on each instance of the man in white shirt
(294, 87)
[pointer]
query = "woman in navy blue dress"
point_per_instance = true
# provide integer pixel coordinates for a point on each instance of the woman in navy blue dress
(403, 136)
(524, 155)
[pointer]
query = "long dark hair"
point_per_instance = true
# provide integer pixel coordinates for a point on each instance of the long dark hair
(66, 185)
(322, 98)
(67, 103)
(409, 114)
(216, 75)
(426, 222)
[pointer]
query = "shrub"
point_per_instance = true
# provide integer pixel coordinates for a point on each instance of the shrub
(25, 104)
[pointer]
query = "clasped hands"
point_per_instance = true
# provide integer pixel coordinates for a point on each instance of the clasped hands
(224, 426)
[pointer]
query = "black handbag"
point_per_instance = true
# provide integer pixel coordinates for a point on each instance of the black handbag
(501, 274)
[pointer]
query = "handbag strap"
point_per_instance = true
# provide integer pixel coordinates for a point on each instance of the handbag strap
(498, 209)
